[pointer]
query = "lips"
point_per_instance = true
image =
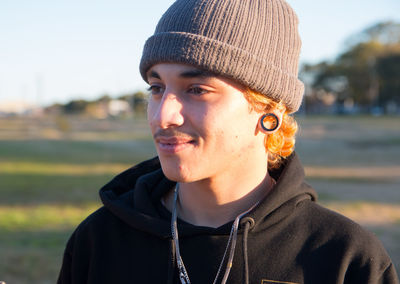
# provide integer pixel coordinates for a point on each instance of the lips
(174, 144)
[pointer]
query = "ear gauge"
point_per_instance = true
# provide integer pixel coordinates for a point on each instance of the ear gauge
(269, 122)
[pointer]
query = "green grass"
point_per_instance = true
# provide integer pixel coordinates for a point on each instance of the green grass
(36, 218)
(36, 189)
(32, 239)
(31, 257)
(69, 151)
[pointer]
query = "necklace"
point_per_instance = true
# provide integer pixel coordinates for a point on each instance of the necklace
(183, 275)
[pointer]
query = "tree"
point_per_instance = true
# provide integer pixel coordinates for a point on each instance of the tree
(386, 33)
(358, 65)
(367, 72)
(75, 106)
(388, 70)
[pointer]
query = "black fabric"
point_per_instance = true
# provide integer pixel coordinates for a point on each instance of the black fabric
(292, 240)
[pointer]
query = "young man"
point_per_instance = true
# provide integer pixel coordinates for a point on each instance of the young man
(225, 200)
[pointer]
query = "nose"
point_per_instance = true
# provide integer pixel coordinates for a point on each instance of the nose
(168, 111)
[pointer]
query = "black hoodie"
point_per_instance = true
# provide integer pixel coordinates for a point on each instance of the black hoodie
(289, 239)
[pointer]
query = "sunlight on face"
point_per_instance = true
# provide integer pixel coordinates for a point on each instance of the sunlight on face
(201, 123)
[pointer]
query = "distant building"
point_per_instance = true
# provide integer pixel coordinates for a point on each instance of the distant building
(118, 107)
(104, 109)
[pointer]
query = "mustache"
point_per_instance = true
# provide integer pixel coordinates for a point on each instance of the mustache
(168, 133)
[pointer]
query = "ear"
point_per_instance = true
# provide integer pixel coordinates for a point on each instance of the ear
(270, 122)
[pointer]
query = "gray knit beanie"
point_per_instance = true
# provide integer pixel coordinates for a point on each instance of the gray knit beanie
(254, 42)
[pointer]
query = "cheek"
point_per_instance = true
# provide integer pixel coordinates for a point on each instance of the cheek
(151, 108)
(227, 124)
(201, 118)
(243, 130)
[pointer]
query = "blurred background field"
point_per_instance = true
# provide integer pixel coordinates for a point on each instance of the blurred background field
(51, 169)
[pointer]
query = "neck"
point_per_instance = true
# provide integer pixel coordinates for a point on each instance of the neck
(217, 201)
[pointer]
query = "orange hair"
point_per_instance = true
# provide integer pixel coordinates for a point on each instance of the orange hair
(279, 144)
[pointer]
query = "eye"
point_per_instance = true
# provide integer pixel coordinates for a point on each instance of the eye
(155, 89)
(197, 91)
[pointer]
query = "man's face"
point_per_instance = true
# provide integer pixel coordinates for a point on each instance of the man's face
(202, 125)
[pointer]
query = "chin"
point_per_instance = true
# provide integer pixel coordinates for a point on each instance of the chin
(176, 171)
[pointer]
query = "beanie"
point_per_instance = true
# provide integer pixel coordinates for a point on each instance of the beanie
(254, 42)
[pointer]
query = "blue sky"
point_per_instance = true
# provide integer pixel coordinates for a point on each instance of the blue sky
(57, 50)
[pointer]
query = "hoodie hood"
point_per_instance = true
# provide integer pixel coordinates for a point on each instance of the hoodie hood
(133, 196)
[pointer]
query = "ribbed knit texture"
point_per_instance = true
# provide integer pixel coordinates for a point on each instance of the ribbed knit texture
(254, 42)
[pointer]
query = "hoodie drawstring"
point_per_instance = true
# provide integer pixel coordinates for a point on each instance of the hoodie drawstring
(245, 255)
(248, 224)
(171, 265)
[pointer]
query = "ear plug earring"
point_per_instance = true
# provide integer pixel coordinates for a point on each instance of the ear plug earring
(272, 120)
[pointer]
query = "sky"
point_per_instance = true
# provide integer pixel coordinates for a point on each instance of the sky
(52, 51)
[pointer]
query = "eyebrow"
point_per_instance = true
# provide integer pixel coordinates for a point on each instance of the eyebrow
(186, 74)
(196, 73)
(154, 74)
